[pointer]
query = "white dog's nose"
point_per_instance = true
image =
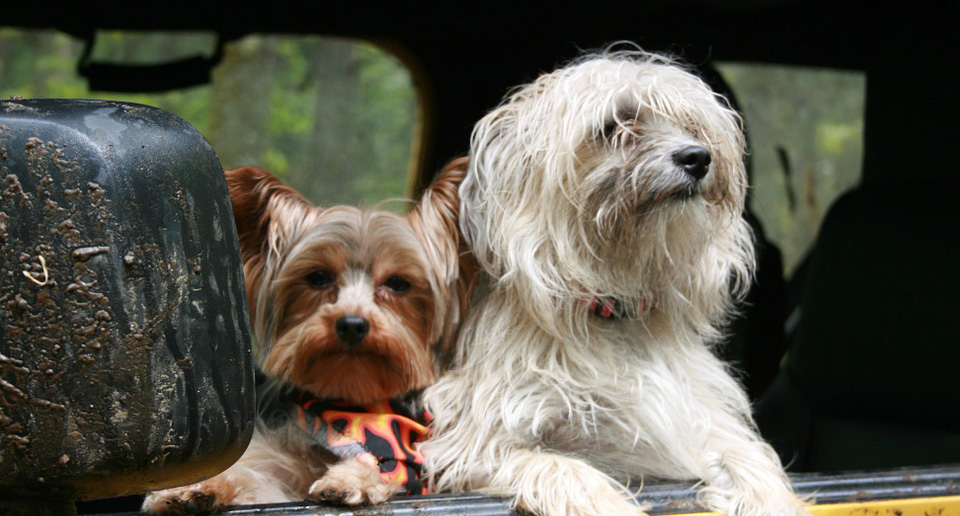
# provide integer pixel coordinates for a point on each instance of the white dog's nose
(694, 160)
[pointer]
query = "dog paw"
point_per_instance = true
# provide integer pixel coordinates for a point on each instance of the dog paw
(187, 500)
(774, 502)
(578, 490)
(352, 482)
(786, 510)
(590, 506)
(790, 507)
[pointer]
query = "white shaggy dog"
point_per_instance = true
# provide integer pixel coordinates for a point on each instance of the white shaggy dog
(603, 201)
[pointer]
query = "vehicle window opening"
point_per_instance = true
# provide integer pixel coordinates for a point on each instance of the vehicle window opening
(335, 118)
(805, 130)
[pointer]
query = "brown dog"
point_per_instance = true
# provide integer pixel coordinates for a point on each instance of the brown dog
(349, 307)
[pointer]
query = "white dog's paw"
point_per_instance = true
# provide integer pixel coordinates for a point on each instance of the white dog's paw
(192, 499)
(352, 482)
(609, 501)
(758, 504)
(547, 484)
(788, 505)
(600, 502)
(787, 509)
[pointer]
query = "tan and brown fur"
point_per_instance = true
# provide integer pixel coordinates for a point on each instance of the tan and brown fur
(306, 268)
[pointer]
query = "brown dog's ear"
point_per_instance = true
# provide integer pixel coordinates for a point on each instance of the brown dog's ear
(251, 191)
(258, 198)
(436, 220)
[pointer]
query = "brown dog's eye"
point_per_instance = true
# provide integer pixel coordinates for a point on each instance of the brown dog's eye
(397, 284)
(320, 279)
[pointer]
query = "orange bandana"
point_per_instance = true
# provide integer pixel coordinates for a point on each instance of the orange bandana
(381, 434)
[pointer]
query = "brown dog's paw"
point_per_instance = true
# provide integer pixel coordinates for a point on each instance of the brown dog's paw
(351, 482)
(199, 498)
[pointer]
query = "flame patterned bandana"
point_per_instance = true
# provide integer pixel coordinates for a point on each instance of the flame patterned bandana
(381, 434)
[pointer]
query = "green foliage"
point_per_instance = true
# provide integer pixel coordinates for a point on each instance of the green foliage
(838, 138)
(813, 120)
(333, 118)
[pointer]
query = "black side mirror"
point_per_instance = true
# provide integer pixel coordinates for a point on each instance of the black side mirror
(125, 358)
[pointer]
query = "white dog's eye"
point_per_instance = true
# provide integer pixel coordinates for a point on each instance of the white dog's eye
(609, 128)
(623, 118)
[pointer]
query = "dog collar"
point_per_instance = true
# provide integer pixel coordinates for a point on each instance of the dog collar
(381, 434)
(613, 309)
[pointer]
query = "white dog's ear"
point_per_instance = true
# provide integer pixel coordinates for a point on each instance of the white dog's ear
(436, 221)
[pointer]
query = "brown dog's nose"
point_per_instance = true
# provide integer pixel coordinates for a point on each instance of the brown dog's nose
(694, 160)
(352, 329)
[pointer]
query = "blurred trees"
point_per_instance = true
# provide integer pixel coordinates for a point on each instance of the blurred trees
(334, 118)
(805, 138)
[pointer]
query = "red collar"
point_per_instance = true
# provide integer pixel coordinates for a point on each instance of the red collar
(613, 309)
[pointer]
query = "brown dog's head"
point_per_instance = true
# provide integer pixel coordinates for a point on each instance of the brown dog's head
(348, 303)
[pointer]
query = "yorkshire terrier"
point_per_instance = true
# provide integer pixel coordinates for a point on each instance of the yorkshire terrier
(350, 309)
(604, 204)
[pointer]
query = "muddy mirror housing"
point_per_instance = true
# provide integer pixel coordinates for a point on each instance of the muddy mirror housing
(125, 359)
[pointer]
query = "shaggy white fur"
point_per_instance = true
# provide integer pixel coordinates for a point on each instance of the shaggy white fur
(621, 177)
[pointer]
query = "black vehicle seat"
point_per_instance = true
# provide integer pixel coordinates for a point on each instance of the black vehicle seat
(756, 345)
(870, 379)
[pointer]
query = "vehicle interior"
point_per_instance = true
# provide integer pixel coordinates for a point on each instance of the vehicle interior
(848, 341)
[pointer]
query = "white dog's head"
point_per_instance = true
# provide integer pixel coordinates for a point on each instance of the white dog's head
(619, 176)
